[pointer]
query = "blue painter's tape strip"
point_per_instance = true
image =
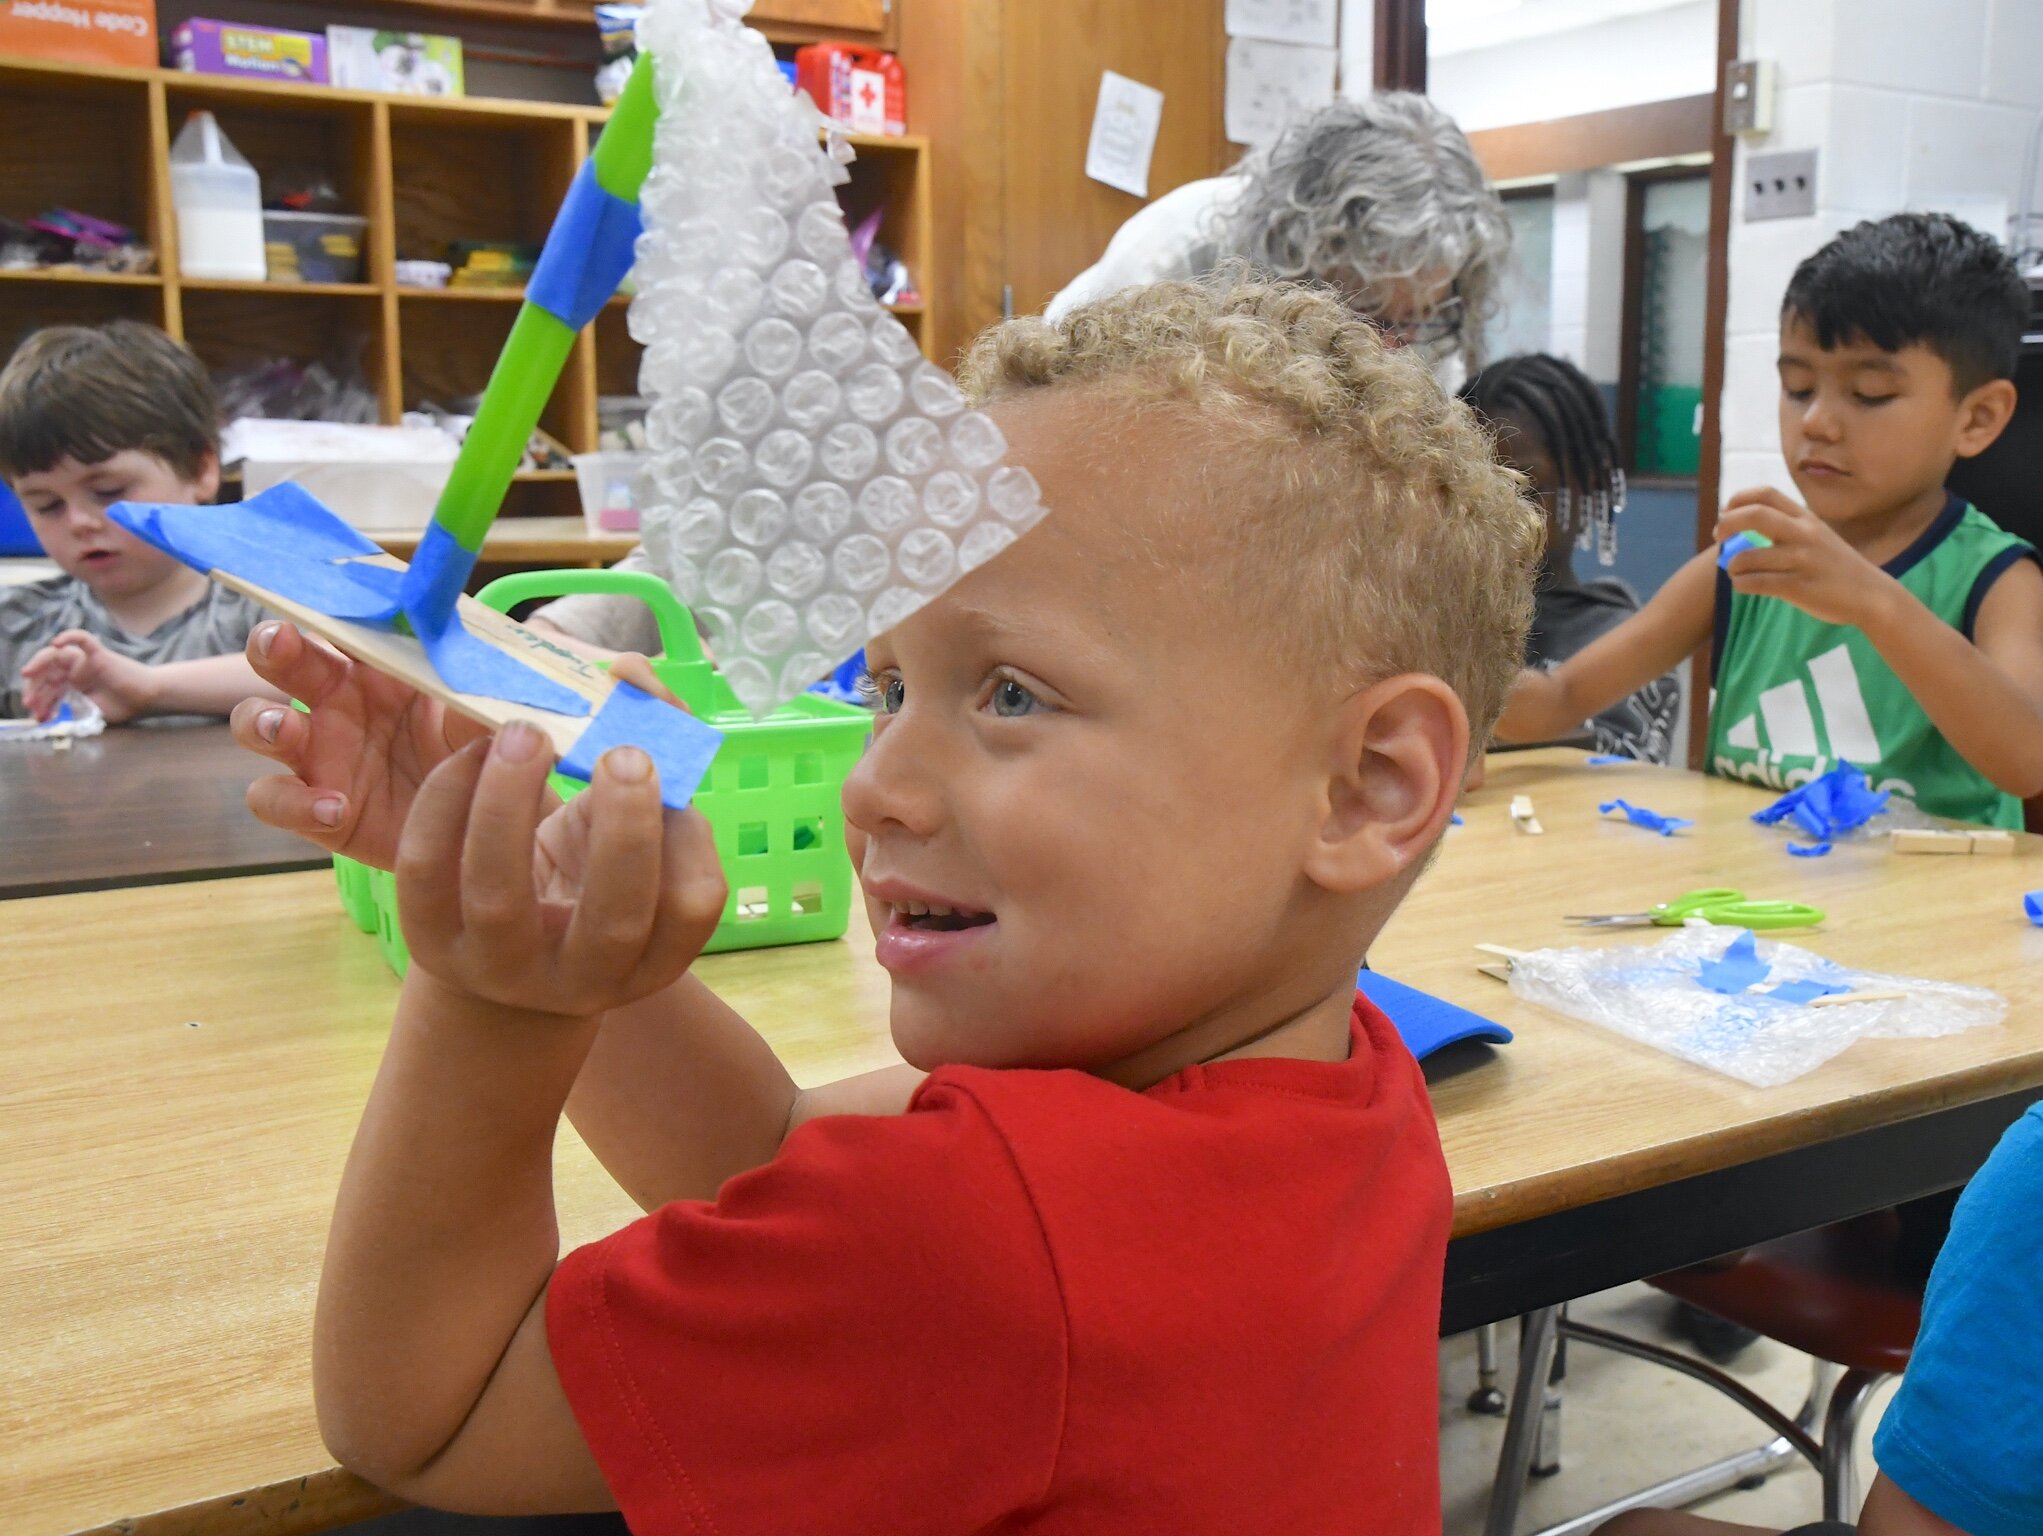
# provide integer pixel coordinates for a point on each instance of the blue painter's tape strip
(1736, 969)
(432, 593)
(282, 539)
(440, 568)
(2032, 907)
(680, 745)
(587, 252)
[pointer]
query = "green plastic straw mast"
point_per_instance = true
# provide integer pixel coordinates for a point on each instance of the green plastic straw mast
(537, 349)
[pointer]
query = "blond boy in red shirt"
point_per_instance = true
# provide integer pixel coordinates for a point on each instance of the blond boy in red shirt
(1148, 1233)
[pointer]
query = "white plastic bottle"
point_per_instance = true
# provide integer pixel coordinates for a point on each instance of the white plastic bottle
(218, 198)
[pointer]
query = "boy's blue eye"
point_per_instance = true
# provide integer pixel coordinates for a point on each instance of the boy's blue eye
(1011, 700)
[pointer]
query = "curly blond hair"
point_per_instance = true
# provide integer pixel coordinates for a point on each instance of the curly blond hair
(1370, 526)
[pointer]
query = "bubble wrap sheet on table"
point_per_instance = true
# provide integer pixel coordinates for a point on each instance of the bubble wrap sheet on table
(814, 479)
(1649, 993)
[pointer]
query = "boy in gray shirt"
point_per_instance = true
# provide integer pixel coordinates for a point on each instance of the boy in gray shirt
(88, 417)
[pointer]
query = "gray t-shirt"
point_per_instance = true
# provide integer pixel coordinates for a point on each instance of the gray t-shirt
(1564, 620)
(32, 614)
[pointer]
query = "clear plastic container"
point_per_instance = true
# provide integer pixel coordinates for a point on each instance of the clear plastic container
(313, 247)
(610, 485)
(218, 198)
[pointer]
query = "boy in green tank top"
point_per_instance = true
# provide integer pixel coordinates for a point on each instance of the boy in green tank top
(1887, 623)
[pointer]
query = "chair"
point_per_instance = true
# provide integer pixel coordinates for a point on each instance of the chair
(1834, 1294)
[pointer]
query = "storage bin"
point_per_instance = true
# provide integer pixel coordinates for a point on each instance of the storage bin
(773, 795)
(313, 247)
(610, 486)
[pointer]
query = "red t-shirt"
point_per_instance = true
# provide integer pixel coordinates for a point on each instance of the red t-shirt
(1039, 1302)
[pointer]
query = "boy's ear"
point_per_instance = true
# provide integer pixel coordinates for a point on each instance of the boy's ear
(1397, 753)
(1983, 414)
(207, 481)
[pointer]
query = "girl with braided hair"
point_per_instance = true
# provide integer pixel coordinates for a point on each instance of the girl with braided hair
(1551, 426)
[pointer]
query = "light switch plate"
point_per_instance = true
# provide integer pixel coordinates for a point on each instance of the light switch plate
(1748, 97)
(1780, 186)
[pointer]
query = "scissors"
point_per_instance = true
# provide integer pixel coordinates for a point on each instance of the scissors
(1725, 908)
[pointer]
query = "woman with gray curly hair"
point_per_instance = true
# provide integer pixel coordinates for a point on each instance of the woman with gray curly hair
(1381, 198)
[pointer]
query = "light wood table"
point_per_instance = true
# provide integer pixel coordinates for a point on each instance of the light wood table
(564, 541)
(172, 1124)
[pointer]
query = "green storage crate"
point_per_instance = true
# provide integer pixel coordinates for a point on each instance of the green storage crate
(773, 794)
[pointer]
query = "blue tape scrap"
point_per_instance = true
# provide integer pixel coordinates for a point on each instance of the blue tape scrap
(2032, 905)
(1807, 850)
(1738, 969)
(1455, 820)
(1737, 544)
(1652, 821)
(1606, 759)
(680, 745)
(587, 253)
(1837, 802)
(285, 540)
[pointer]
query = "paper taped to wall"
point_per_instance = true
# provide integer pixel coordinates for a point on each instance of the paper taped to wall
(1270, 83)
(1314, 23)
(1124, 126)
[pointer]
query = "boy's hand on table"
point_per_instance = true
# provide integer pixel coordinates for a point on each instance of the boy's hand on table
(510, 897)
(1808, 565)
(78, 662)
(358, 758)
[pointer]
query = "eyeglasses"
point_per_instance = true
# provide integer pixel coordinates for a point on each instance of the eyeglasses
(1442, 323)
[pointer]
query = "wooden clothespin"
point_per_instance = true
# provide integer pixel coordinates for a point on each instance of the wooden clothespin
(1522, 816)
(1508, 956)
(1952, 840)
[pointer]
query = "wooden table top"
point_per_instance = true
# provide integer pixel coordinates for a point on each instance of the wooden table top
(171, 1133)
(134, 806)
(534, 541)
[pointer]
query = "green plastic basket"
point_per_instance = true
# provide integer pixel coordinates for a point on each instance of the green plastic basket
(773, 794)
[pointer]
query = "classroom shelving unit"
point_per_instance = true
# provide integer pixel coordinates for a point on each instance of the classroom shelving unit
(423, 171)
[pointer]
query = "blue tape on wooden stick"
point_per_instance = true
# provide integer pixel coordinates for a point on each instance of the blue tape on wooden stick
(587, 253)
(1738, 968)
(286, 542)
(680, 745)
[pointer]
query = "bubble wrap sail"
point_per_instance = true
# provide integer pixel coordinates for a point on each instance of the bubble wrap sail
(814, 479)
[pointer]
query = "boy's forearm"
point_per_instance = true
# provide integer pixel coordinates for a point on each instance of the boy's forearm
(678, 1094)
(444, 1232)
(1994, 725)
(1537, 709)
(210, 686)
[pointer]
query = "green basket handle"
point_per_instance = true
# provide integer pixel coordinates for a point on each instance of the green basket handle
(677, 629)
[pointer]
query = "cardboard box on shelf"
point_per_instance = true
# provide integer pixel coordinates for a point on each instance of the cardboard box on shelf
(118, 32)
(207, 47)
(405, 63)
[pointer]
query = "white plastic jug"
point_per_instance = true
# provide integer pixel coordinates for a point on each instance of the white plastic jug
(218, 198)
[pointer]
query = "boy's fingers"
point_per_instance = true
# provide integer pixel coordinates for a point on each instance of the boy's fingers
(288, 803)
(283, 656)
(632, 668)
(692, 887)
(621, 880)
(429, 883)
(497, 899)
(269, 729)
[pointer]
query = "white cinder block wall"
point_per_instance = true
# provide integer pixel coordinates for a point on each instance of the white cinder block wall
(1923, 104)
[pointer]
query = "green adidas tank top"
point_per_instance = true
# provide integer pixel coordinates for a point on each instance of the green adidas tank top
(1794, 694)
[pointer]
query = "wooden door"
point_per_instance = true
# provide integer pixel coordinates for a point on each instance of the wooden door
(1057, 219)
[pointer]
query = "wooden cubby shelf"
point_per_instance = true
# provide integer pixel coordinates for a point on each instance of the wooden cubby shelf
(422, 171)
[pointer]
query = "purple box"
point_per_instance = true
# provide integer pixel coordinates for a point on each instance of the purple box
(206, 47)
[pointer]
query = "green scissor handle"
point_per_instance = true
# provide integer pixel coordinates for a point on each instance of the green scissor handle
(1729, 909)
